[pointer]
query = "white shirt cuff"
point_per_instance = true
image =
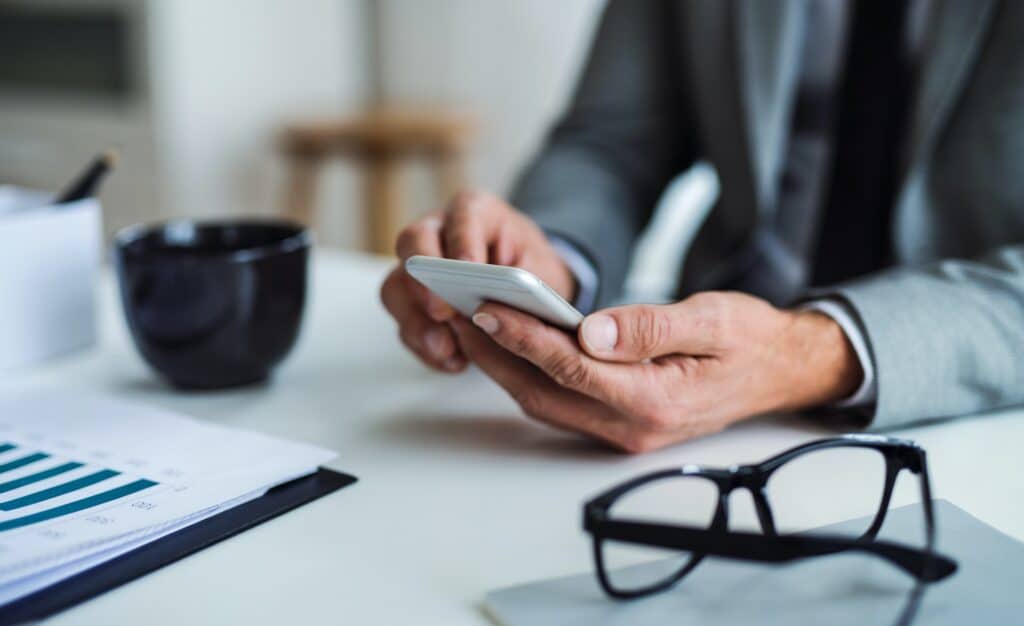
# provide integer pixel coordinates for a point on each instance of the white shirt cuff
(582, 269)
(867, 393)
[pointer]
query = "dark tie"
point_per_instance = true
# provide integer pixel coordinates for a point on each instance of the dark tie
(855, 236)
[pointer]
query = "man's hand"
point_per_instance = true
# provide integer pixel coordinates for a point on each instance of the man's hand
(642, 377)
(476, 227)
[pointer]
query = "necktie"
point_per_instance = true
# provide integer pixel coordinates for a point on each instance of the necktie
(855, 235)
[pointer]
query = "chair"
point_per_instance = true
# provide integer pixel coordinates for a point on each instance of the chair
(380, 140)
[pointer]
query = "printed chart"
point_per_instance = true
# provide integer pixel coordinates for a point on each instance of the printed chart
(37, 487)
(84, 479)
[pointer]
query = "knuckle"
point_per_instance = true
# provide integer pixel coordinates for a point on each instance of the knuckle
(521, 344)
(712, 315)
(457, 239)
(652, 419)
(469, 201)
(652, 329)
(569, 371)
(714, 309)
(464, 199)
(460, 233)
(637, 443)
(411, 240)
(529, 400)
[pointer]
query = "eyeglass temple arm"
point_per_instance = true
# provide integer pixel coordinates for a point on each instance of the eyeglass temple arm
(922, 565)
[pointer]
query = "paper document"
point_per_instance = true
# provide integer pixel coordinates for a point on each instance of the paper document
(84, 479)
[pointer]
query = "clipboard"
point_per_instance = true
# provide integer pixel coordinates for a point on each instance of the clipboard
(166, 550)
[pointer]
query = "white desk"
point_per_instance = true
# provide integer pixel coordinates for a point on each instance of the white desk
(457, 494)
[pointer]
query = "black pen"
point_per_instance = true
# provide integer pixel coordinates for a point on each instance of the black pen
(88, 183)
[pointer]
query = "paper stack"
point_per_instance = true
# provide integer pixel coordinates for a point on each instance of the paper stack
(84, 479)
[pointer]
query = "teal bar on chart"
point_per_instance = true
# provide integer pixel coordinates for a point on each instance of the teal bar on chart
(4, 447)
(23, 461)
(38, 476)
(77, 505)
(57, 490)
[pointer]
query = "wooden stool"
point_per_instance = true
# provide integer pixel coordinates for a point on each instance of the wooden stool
(379, 140)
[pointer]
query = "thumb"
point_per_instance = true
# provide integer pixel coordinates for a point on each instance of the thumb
(643, 331)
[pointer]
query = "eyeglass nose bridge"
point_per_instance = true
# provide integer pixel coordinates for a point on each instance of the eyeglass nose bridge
(753, 479)
(911, 458)
(750, 477)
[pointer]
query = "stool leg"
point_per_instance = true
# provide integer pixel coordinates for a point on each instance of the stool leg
(301, 200)
(383, 203)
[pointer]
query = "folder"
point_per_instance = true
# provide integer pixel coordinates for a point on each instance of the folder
(166, 550)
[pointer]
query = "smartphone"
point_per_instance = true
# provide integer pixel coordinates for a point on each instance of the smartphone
(465, 286)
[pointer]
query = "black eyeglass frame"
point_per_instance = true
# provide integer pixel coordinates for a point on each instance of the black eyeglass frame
(716, 540)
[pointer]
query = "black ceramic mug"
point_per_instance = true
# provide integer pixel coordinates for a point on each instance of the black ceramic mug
(213, 304)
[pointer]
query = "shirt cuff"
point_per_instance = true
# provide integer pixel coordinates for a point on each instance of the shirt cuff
(582, 269)
(867, 393)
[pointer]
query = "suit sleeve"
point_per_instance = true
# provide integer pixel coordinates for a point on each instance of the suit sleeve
(947, 338)
(623, 138)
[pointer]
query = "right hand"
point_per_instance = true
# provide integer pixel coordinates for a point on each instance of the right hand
(477, 227)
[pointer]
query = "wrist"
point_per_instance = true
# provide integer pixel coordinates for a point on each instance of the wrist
(824, 365)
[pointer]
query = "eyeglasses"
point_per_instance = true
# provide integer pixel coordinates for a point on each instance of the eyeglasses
(617, 518)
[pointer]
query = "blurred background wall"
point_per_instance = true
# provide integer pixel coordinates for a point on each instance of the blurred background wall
(210, 83)
(512, 63)
(197, 95)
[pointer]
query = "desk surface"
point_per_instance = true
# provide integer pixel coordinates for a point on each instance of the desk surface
(458, 493)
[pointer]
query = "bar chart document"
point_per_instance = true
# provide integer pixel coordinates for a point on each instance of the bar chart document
(85, 478)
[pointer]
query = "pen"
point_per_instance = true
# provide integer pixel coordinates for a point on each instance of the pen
(88, 183)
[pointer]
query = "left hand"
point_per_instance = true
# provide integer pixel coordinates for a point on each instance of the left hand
(644, 376)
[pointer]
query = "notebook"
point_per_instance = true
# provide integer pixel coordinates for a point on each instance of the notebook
(844, 589)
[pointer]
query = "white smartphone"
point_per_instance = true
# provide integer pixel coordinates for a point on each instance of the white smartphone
(466, 286)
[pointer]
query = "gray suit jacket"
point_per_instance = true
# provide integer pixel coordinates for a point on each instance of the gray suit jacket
(668, 83)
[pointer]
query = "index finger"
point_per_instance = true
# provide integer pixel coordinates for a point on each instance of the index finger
(538, 395)
(423, 237)
(420, 237)
(554, 352)
(471, 225)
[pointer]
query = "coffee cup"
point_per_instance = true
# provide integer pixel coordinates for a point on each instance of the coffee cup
(213, 304)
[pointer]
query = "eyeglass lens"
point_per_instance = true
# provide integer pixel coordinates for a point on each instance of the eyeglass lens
(690, 500)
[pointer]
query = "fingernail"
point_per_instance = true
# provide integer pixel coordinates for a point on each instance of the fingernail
(600, 333)
(434, 340)
(486, 322)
